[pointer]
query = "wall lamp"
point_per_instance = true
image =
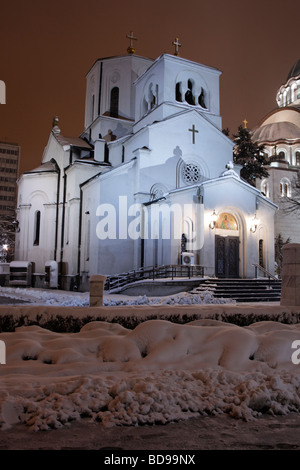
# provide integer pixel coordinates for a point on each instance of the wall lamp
(254, 224)
(213, 220)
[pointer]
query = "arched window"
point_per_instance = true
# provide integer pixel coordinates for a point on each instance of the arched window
(285, 187)
(261, 254)
(191, 91)
(298, 158)
(37, 227)
(114, 102)
(189, 95)
(157, 191)
(265, 188)
(153, 95)
(202, 100)
(293, 91)
(178, 95)
(150, 100)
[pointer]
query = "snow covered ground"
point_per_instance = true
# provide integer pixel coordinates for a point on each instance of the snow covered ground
(157, 372)
(81, 299)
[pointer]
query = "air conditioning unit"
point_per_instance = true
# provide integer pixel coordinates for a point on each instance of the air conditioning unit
(187, 258)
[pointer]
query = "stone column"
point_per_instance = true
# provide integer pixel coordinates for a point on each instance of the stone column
(96, 290)
(290, 289)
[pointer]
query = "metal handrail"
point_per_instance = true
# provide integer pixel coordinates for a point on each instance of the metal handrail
(153, 272)
(267, 273)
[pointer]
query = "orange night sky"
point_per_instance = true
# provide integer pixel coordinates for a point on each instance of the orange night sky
(47, 47)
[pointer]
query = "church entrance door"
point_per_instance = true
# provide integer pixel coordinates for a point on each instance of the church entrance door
(227, 256)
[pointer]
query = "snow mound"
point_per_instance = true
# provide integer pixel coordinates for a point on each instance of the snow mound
(155, 373)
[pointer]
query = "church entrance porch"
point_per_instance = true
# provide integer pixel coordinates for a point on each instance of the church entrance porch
(227, 246)
(227, 256)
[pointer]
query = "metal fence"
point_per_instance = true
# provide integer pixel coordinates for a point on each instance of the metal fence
(154, 272)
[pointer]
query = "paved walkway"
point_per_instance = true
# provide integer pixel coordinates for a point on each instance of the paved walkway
(204, 433)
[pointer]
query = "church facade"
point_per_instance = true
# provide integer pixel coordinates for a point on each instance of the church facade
(152, 168)
(279, 131)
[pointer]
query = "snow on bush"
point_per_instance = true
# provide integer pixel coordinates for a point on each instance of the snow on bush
(72, 299)
(155, 373)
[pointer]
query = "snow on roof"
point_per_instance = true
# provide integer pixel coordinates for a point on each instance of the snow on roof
(73, 141)
(20, 264)
(44, 167)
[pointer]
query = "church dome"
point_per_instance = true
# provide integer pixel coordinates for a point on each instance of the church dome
(295, 71)
(278, 161)
(276, 131)
(289, 93)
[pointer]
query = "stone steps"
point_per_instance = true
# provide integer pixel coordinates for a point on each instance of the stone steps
(242, 290)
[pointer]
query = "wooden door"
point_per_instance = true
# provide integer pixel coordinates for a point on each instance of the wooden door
(227, 256)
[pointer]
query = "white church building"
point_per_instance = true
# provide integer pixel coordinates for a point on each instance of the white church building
(150, 177)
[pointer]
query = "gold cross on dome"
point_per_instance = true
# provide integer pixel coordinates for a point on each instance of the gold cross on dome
(130, 48)
(194, 131)
(245, 123)
(177, 45)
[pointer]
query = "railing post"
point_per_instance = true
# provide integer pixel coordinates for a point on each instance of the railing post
(96, 290)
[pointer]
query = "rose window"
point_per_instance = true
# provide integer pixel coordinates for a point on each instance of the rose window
(191, 173)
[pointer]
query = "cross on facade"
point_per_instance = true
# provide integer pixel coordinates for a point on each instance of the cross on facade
(131, 49)
(245, 123)
(177, 45)
(194, 131)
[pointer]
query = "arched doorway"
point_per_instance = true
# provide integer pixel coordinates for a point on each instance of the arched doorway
(227, 246)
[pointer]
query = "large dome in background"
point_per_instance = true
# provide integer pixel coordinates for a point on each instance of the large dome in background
(281, 127)
(277, 131)
(289, 92)
(295, 71)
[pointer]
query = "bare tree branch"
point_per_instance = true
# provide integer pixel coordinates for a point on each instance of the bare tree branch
(292, 203)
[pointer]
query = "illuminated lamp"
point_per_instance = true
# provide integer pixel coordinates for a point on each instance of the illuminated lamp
(213, 220)
(254, 224)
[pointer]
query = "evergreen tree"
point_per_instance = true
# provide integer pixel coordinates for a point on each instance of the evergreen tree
(250, 155)
(7, 238)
